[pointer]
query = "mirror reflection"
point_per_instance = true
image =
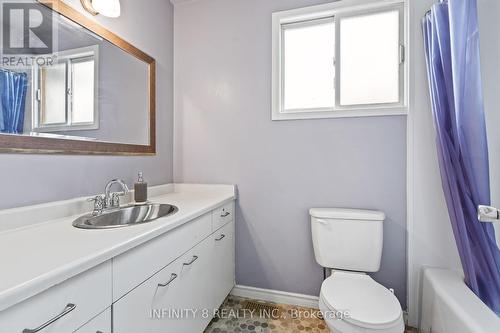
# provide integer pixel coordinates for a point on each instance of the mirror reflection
(86, 88)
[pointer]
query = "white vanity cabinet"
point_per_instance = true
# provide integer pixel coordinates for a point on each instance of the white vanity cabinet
(183, 296)
(173, 282)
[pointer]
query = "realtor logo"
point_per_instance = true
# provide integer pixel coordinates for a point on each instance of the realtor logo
(25, 29)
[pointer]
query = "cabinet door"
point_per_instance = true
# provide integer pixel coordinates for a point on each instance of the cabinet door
(195, 288)
(222, 266)
(100, 324)
(150, 307)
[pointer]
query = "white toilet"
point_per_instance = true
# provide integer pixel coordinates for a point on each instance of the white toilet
(350, 242)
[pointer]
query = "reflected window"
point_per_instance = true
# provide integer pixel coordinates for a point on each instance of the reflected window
(52, 94)
(82, 90)
(65, 93)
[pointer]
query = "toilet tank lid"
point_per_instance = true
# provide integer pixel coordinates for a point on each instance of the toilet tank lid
(347, 214)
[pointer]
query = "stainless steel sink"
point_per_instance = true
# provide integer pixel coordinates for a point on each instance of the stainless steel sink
(125, 216)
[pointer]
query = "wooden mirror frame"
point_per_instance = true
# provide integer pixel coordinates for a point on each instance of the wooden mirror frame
(12, 143)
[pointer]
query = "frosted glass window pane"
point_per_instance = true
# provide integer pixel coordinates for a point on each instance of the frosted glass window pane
(83, 92)
(309, 71)
(53, 94)
(369, 56)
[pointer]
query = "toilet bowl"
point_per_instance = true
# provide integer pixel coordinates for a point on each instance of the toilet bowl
(350, 242)
(355, 303)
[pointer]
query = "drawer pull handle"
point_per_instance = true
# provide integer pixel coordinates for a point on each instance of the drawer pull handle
(225, 214)
(221, 237)
(70, 307)
(191, 262)
(172, 278)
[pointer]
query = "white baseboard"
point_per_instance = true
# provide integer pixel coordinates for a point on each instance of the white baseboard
(276, 296)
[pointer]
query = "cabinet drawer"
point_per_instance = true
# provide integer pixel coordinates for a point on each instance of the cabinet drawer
(222, 215)
(222, 266)
(100, 324)
(74, 302)
(135, 266)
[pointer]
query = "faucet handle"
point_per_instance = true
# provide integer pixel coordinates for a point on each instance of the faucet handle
(99, 204)
(115, 199)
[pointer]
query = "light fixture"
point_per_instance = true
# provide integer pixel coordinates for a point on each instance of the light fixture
(109, 8)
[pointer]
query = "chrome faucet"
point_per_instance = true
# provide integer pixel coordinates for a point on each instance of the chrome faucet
(112, 200)
(109, 200)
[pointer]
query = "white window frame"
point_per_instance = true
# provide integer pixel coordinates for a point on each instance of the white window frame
(337, 10)
(68, 57)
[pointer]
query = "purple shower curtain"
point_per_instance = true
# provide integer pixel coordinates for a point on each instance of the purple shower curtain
(451, 39)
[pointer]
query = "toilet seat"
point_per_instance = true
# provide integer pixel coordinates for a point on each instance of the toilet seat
(369, 304)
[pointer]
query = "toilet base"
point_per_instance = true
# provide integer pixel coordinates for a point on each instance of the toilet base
(342, 326)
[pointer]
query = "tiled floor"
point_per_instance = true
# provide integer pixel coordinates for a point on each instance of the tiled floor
(234, 318)
(238, 320)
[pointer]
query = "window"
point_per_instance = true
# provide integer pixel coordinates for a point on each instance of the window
(65, 93)
(339, 60)
(308, 69)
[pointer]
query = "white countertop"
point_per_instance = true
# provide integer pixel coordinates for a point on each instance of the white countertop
(35, 257)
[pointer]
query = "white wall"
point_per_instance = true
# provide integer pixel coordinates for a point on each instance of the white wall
(430, 237)
(29, 179)
(489, 26)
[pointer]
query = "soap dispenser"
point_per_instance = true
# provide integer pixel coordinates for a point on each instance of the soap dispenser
(140, 190)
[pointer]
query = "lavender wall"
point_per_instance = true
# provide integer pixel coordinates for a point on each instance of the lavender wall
(29, 179)
(223, 134)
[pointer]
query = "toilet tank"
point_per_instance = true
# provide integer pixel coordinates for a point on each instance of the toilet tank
(347, 239)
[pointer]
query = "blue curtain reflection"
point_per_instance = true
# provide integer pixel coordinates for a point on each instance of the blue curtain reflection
(13, 88)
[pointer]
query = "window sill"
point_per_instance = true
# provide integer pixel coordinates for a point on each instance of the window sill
(66, 128)
(352, 113)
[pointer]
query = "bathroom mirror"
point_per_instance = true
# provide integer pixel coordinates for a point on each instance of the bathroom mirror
(70, 86)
